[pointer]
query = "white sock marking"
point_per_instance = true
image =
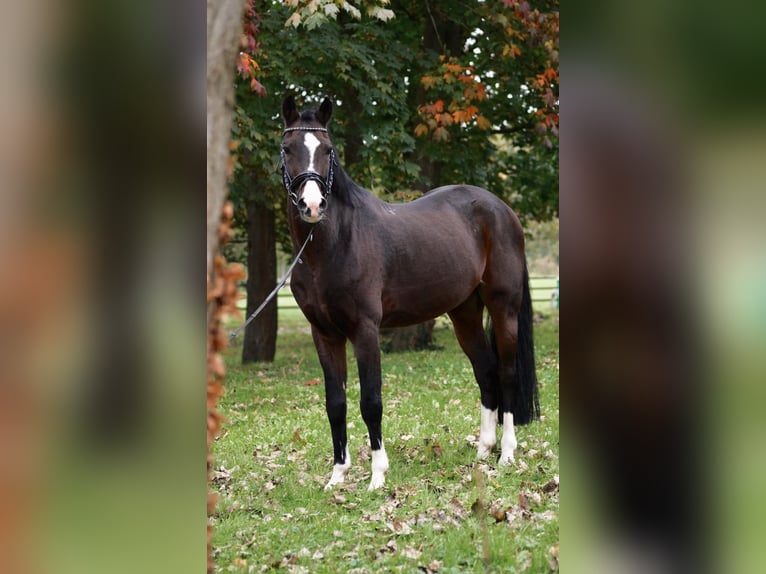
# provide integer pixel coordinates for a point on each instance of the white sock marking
(508, 442)
(379, 468)
(488, 432)
(339, 472)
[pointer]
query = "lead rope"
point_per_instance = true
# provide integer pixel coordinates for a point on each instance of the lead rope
(276, 289)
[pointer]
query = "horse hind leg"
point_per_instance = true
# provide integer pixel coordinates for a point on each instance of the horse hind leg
(506, 344)
(513, 343)
(467, 322)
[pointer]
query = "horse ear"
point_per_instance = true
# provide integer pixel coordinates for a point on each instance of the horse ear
(325, 111)
(289, 111)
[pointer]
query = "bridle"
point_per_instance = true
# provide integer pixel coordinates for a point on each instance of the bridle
(293, 184)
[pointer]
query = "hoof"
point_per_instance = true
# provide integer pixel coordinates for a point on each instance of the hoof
(484, 451)
(339, 472)
(506, 459)
(376, 482)
(379, 468)
(334, 480)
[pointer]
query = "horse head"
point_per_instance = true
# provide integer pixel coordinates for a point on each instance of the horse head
(308, 158)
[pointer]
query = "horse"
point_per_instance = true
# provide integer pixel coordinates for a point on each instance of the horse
(368, 264)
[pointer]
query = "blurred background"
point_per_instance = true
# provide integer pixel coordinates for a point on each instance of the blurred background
(663, 274)
(102, 164)
(102, 182)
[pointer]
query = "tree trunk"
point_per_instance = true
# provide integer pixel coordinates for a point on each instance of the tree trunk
(224, 24)
(260, 335)
(413, 338)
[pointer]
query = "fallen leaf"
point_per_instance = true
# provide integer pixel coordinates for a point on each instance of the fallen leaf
(551, 485)
(338, 499)
(389, 547)
(298, 438)
(311, 383)
(400, 526)
(458, 509)
(499, 513)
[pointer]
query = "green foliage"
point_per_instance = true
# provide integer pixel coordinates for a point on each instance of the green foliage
(502, 131)
(440, 508)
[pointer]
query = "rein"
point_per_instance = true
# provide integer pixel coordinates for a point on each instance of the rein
(293, 184)
(276, 289)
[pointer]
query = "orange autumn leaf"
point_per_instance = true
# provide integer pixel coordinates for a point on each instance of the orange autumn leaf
(483, 123)
(441, 135)
(428, 82)
(421, 130)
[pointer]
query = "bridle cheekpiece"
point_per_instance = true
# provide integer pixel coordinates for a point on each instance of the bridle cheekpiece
(293, 184)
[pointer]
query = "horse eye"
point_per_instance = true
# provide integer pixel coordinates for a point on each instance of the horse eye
(286, 149)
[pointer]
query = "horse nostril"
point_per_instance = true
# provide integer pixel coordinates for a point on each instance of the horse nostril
(322, 203)
(301, 204)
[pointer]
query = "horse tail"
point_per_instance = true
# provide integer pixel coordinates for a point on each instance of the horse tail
(525, 403)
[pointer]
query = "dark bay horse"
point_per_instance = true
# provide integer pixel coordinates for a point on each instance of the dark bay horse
(370, 264)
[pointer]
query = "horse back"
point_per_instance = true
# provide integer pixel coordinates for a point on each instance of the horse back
(439, 248)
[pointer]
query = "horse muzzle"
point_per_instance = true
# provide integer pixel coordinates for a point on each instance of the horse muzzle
(311, 202)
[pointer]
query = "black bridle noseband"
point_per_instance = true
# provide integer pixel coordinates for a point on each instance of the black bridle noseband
(293, 184)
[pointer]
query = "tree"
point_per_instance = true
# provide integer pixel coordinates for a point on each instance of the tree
(224, 22)
(459, 92)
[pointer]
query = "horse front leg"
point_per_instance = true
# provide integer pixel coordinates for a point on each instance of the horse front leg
(332, 357)
(367, 351)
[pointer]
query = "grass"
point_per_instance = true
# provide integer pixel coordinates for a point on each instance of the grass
(441, 510)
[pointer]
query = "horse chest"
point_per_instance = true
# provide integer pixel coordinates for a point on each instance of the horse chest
(327, 301)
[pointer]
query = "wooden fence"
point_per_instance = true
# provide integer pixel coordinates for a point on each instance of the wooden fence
(543, 288)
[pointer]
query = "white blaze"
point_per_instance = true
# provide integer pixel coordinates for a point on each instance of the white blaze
(312, 143)
(312, 195)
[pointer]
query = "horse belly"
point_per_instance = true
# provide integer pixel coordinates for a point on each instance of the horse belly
(418, 302)
(431, 280)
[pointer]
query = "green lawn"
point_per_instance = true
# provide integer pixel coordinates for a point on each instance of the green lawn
(440, 511)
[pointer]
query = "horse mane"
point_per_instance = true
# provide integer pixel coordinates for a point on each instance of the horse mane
(346, 190)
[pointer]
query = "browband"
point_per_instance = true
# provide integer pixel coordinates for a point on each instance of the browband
(304, 129)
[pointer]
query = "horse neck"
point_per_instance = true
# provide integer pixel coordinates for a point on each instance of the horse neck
(345, 202)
